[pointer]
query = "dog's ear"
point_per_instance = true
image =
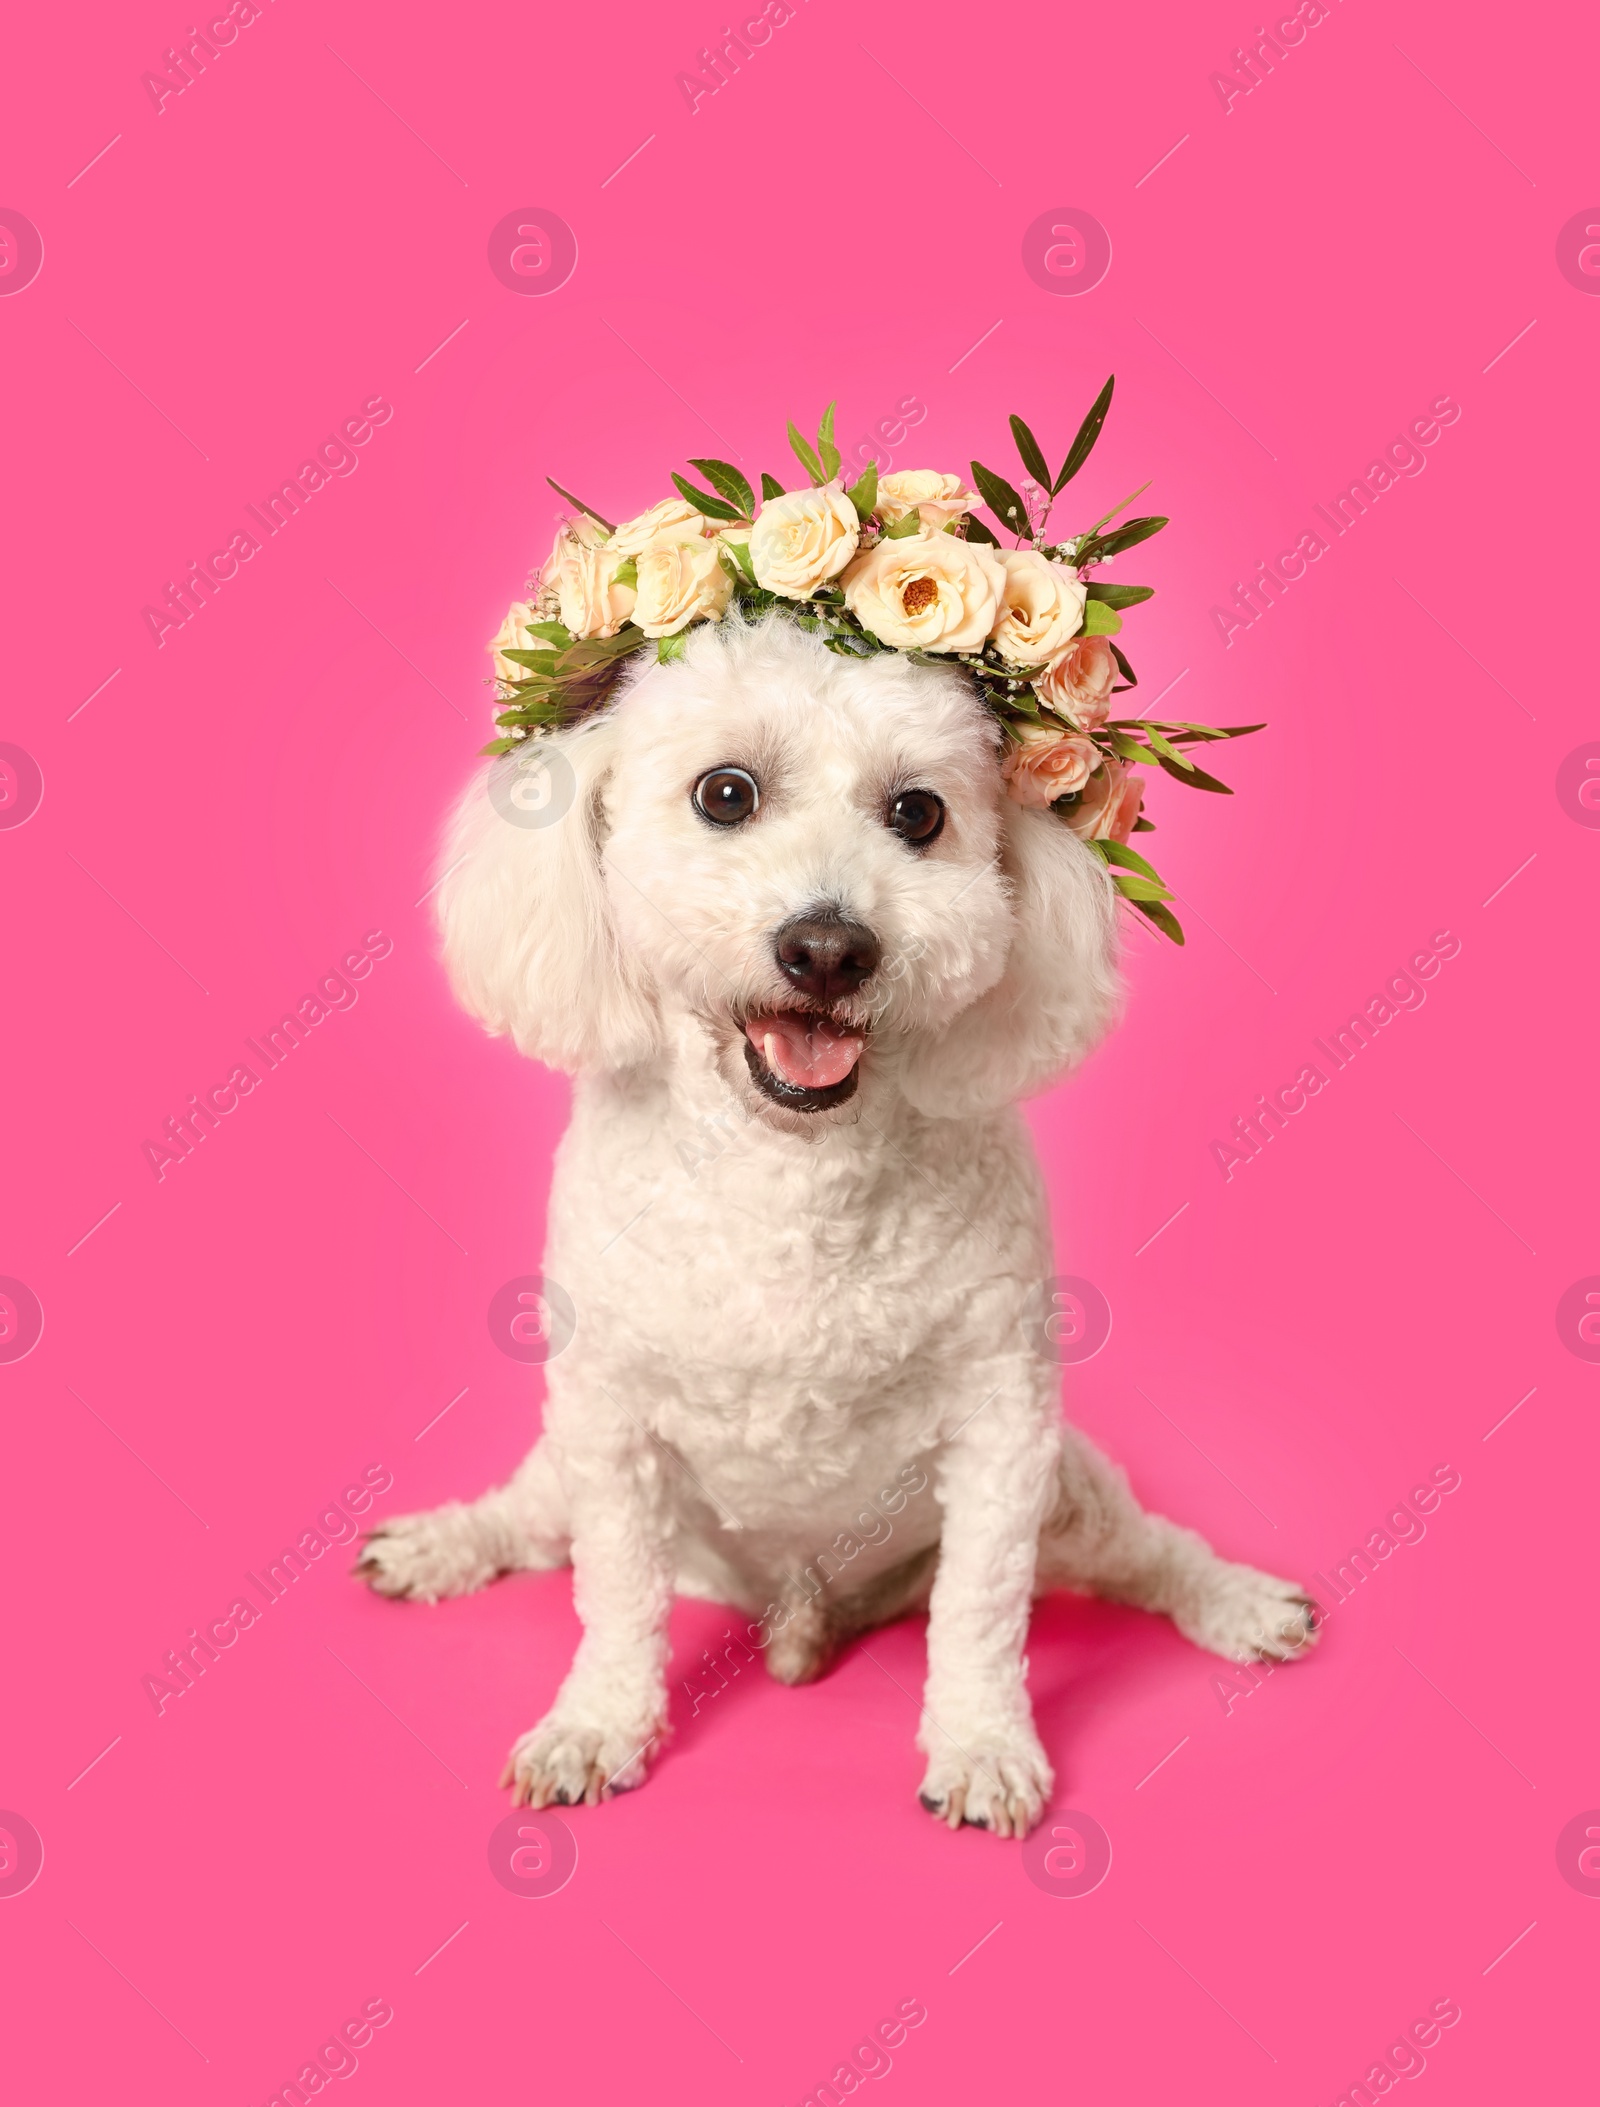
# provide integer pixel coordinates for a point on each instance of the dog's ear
(1058, 993)
(529, 941)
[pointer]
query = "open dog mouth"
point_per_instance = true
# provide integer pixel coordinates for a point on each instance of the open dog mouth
(803, 1059)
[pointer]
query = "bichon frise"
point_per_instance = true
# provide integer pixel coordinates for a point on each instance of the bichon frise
(777, 916)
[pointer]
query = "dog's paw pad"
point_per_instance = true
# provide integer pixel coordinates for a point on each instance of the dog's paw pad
(998, 1784)
(1249, 1616)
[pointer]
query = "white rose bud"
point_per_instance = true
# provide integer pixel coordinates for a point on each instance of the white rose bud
(679, 583)
(582, 569)
(802, 541)
(936, 498)
(1043, 608)
(927, 592)
(674, 519)
(515, 634)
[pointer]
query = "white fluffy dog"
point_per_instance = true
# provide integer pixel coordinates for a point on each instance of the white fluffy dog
(803, 956)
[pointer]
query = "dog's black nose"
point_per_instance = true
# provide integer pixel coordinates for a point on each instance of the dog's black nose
(826, 956)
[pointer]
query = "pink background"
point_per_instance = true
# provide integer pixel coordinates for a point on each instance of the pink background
(1304, 274)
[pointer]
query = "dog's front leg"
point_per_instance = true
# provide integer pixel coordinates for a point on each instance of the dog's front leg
(995, 1475)
(598, 1735)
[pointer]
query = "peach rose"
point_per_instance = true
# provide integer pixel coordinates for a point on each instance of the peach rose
(1109, 805)
(927, 592)
(936, 499)
(1042, 611)
(681, 582)
(1078, 682)
(674, 519)
(515, 633)
(1048, 765)
(581, 571)
(803, 540)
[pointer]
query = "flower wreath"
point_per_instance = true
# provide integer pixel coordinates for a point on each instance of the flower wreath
(891, 563)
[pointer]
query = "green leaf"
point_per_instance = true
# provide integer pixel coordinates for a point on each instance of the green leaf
(852, 646)
(740, 552)
(1126, 748)
(977, 531)
(1099, 546)
(1121, 595)
(1144, 826)
(500, 746)
(670, 647)
(626, 573)
(552, 632)
(582, 507)
(546, 662)
(1106, 517)
(1163, 917)
(1134, 888)
(712, 507)
(526, 709)
(1166, 749)
(598, 650)
(1126, 670)
(903, 529)
(826, 450)
(1001, 499)
(770, 486)
(1119, 852)
(1196, 778)
(1032, 453)
(1088, 433)
(1185, 730)
(863, 494)
(1100, 620)
(728, 483)
(803, 454)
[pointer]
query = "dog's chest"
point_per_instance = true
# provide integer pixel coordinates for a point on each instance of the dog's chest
(778, 1282)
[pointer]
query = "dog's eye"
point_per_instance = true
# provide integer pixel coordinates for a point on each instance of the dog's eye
(917, 816)
(726, 796)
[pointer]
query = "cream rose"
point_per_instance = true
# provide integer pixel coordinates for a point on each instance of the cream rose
(1078, 682)
(674, 519)
(515, 634)
(1048, 765)
(582, 572)
(936, 498)
(1109, 805)
(679, 583)
(927, 592)
(804, 540)
(1043, 608)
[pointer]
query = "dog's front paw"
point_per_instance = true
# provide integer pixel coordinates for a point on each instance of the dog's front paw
(999, 1782)
(426, 1556)
(570, 1760)
(1248, 1616)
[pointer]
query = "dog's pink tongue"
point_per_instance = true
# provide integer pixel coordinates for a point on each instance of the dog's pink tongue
(810, 1052)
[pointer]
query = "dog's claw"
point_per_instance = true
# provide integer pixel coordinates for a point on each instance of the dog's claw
(1245, 1615)
(563, 1763)
(998, 1781)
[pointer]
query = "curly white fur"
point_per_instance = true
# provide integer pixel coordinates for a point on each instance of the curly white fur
(784, 1315)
